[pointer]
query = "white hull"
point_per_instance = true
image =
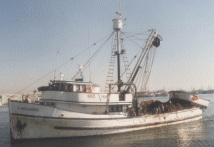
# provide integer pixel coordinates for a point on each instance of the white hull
(33, 125)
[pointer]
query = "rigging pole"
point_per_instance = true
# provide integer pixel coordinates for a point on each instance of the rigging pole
(89, 56)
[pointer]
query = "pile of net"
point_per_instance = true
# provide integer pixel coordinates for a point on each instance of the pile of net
(158, 107)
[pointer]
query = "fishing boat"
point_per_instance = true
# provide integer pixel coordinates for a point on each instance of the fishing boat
(73, 108)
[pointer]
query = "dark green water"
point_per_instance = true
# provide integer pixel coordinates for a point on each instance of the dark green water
(197, 134)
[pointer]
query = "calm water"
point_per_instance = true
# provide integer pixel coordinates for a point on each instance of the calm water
(197, 133)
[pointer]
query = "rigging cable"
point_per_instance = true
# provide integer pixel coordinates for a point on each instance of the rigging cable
(60, 66)
(134, 56)
(92, 57)
(132, 40)
(150, 68)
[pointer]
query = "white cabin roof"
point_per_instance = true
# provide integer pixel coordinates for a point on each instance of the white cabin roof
(74, 82)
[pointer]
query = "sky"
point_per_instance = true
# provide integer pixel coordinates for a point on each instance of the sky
(33, 31)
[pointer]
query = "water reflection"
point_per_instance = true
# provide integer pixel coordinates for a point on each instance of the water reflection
(189, 132)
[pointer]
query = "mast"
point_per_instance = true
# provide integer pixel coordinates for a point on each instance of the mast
(117, 26)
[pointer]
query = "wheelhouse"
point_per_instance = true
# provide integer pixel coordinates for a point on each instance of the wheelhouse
(71, 86)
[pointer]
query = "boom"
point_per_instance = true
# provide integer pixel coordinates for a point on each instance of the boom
(153, 40)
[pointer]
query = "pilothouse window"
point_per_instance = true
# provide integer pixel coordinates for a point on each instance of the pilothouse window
(116, 108)
(57, 86)
(83, 88)
(70, 88)
(77, 88)
(65, 87)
